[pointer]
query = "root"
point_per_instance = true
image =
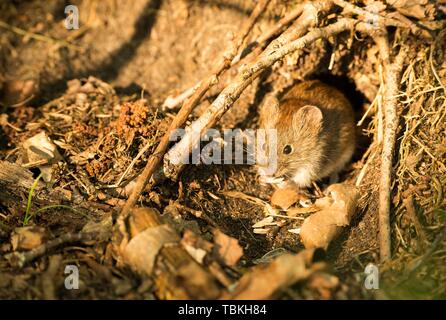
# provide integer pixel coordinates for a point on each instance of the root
(19, 259)
(185, 111)
(256, 47)
(175, 159)
(392, 72)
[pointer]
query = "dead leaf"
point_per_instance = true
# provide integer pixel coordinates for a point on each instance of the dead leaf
(196, 246)
(196, 253)
(83, 157)
(27, 238)
(228, 248)
(4, 120)
(323, 283)
(262, 281)
(41, 152)
(149, 235)
(142, 250)
(261, 231)
(295, 231)
(284, 198)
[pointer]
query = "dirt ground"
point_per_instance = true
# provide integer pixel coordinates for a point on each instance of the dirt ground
(87, 98)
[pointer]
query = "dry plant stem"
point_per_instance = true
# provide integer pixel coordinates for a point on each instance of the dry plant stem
(19, 259)
(307, 19)
(171, 103)
(392, 73)
(429, 252)
(364, 14)
(175, 158)
(39, 37)
(187, 108)
(413, 27)
(410, 208)
(274, 31)
(196, 213)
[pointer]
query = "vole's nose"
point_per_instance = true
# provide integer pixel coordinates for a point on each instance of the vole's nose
(266, 171)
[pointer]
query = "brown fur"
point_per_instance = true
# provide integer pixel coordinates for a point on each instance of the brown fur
(318, 122)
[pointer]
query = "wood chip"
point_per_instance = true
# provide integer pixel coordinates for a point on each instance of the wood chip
(284, 198)
(227, 247)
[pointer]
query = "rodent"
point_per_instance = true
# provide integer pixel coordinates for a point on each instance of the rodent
(315, 134)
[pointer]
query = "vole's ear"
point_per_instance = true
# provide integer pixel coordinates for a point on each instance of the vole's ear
(309, 117)
(269, 112)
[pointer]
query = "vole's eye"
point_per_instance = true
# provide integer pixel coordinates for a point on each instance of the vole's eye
(287, 149)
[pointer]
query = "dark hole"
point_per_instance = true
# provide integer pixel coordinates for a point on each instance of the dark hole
(319, 255)
(3, 140)
(35, 171)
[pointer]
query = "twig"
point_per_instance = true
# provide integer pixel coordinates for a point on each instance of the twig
(130, 166)
(185, 110)
(196, 213)
(417, 263)
(175, 158)
(39, 37)
(307, 19)
(173, 102)
(431, 60)
(259, 44)
(363, 14)
(19, 259)
(412, 25)
(410, 208)
(48, 277)
(392, 73)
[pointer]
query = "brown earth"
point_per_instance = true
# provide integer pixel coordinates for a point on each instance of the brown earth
(151, 49)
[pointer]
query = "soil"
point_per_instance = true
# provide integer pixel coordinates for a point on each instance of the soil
(143, 52)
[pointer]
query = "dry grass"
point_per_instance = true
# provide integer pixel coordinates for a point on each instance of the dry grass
(420, 179)
(103, 138)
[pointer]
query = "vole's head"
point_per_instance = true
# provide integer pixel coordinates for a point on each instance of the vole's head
(298, 132)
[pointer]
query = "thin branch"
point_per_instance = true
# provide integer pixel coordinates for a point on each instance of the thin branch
(19, 259)
(186, 109)
(392, 73)
(39, 37)
(278, 28)
(173, 102)
(365, 14)
(410, 209)
(259, 44)
(175, 158)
